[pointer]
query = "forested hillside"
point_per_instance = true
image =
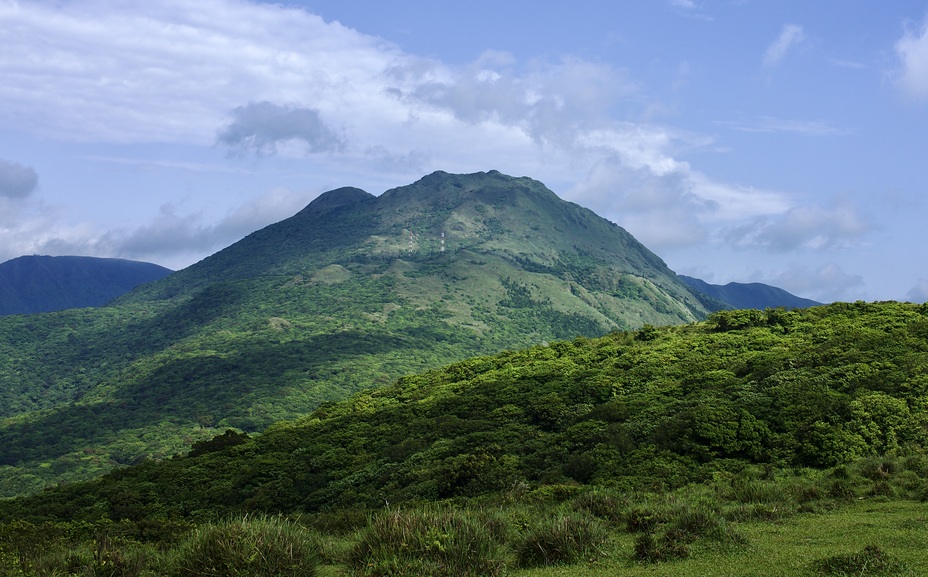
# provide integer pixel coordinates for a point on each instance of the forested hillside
(352, 292)
(715, 446)
(654, 408)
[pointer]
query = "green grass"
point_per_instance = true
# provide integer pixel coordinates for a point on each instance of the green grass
(781, 549)
(866, 537)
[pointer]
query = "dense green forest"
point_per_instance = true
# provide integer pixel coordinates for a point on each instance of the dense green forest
(667, 434)
(351, 293)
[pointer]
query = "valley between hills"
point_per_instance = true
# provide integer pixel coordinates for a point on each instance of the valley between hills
(463, 376)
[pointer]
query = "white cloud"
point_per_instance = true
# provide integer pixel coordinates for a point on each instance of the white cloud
(31, 226)
(173, 231)
(16, 180)
(170, 71)
(665, 203)
(918, 293)
(172, 237)
(772, 125)
(912, 51)
(805, 227)
(790, 36)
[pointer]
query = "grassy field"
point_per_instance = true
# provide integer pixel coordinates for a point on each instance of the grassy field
(786, 548)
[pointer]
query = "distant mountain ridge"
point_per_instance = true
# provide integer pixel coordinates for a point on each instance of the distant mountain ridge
(37, 284)
(750, 295)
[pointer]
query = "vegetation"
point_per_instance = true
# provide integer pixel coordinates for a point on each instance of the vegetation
(352, 293)
(671, 447)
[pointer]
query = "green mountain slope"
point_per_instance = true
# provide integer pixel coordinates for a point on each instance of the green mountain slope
(352, 292)
(35, 284)
(656, 408)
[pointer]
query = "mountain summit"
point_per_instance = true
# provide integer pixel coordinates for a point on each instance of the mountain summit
(350, 293)
(482, 234)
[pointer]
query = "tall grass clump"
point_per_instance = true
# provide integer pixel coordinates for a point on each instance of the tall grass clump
(869, 562)
(605, 504)
(564, 539)
(679, 528)
(250, 546)
(427, 542)
(102, 557)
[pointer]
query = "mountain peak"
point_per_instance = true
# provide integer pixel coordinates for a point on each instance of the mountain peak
(483, 225)
(328, 201)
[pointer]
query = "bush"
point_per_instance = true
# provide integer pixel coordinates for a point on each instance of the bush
(561, 540)
(338, 521)
(427, 542)
(645, 519)
(685, 524)
(654, 549)
(101, 558)
(601, 503)
(251, 546)
(871, 561)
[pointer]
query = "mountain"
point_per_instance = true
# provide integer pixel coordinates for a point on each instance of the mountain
(36, 284)
(749, 295)
(350, 293)
(748, 392)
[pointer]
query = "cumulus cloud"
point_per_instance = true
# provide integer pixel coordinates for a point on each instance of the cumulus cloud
(912, 51)
(16, 180)
(173, 231)
(790, 36)
(169, 71)
(919, 293)
(171, 237)
(665, 203)
(549, 101)
(261, 126)
(805, 227)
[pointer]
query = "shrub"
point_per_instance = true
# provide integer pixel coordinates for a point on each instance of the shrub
(685, 524)
(645, 519)
(252, 546)
(877, 469)
(565, 539)
(338, 521)
(871, 561)
(757, 491)
(600, 503)
(428, 541)
(654, 549)
(102, 557)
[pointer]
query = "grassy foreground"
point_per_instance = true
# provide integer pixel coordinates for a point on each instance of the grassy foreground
(829, 524)
(785, 548)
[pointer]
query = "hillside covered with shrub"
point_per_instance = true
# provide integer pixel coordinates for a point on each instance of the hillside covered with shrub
(674, 445)
(654, 408)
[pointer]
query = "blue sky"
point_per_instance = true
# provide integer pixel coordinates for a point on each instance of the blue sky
(783, 142)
